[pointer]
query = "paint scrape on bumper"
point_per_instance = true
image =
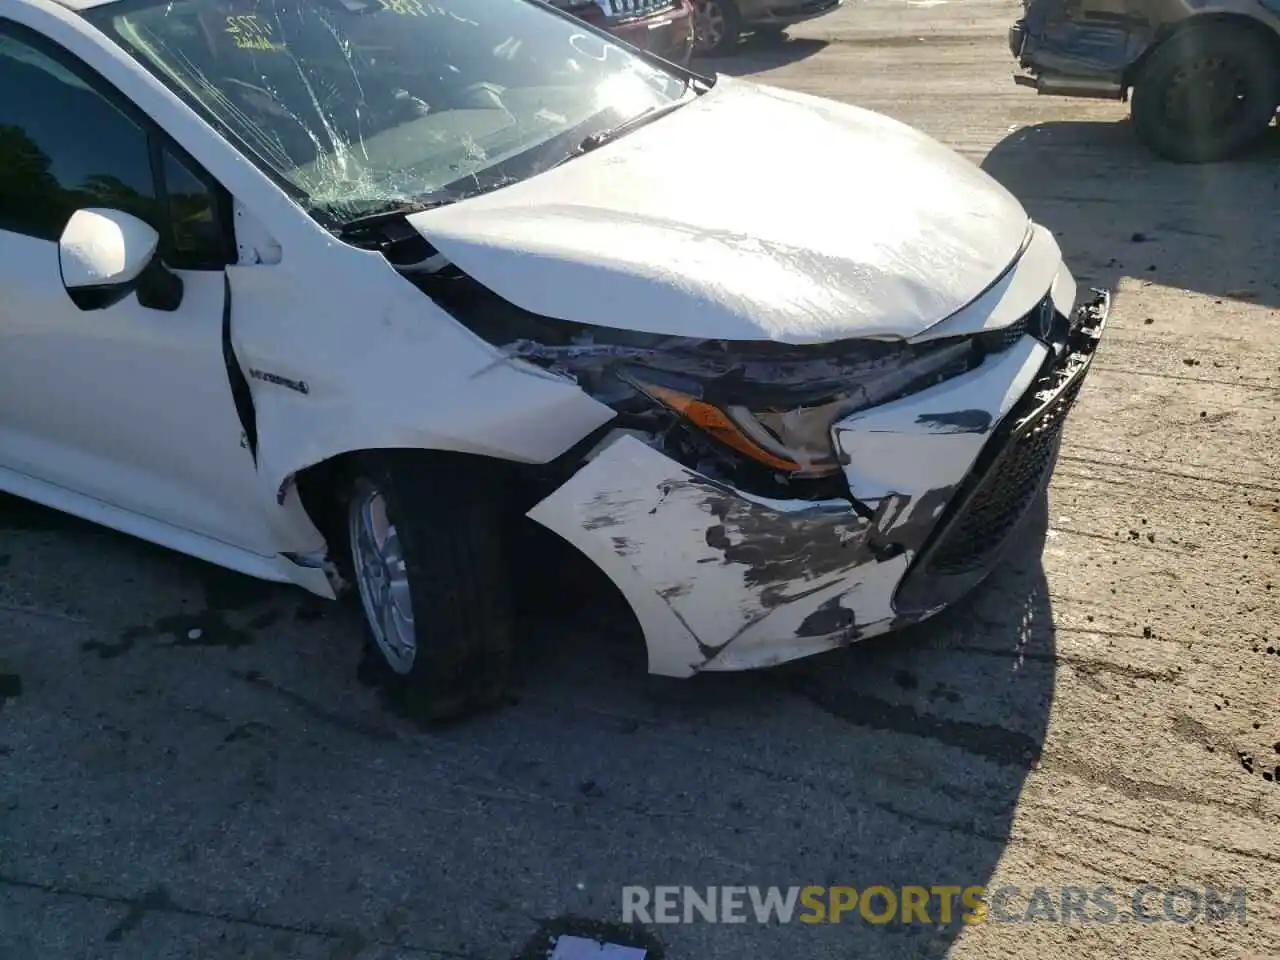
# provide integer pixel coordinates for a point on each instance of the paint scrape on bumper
(702, 564)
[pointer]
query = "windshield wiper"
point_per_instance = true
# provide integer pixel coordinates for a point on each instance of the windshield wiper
(639, 120)
(400, 209)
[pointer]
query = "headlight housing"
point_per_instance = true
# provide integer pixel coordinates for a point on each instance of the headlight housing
(786, 425)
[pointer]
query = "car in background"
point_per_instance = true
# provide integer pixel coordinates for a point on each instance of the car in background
(1204, 76)
(719, 24)
(660, 27)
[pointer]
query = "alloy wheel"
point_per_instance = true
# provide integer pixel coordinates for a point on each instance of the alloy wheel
(709, 25)
(383, 578)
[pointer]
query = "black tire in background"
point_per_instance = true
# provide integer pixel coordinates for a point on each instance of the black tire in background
(449, 514)
(732, 19)
(1207, 93)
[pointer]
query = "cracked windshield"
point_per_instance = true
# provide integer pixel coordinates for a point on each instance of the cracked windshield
(364, 106)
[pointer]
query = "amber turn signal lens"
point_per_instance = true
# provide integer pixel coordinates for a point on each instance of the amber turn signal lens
(718, 425)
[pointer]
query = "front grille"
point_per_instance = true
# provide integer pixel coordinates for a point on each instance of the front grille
(1002, 497)
(629, 9)
(1039, 321)
(1002, 340)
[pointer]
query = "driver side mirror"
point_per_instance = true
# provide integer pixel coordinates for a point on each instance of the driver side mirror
(105, 255)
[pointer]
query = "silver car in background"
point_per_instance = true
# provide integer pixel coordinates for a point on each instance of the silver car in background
(718, 24)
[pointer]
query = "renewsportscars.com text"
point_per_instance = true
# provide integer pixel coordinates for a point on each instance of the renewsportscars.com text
(939, 904)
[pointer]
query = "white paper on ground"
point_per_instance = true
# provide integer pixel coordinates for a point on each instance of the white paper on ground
(580, 948)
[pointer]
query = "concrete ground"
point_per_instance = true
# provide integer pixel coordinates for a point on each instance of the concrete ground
(1103, 713)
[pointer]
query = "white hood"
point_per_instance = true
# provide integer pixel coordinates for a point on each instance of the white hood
(750, 214)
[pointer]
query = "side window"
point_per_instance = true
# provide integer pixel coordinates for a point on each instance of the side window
(197, 239)
(64, 146)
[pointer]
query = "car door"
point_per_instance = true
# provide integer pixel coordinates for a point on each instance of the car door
(128, 406)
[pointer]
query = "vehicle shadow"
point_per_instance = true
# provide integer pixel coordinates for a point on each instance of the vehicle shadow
(1119, 211)
(760, 53)
(226, 729)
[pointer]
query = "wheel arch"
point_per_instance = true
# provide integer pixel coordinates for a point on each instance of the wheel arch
(321, 485)
(1266, 29)
(552, 570)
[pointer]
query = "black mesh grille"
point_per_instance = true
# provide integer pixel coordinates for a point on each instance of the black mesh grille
(1002, 497)
(1002, 340)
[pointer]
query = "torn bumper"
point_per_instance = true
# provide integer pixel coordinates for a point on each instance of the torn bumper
(1017, 36)
(721, 579)
(1064, 58)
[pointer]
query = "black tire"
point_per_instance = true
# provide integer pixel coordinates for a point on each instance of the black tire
(1207, 93)
(728, 40)
(449, 514)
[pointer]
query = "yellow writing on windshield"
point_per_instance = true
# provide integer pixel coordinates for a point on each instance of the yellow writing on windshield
(406, 8)
(250, 33)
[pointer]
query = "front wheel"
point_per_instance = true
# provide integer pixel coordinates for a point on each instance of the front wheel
(1207, 93)
(427, 556)
(717, 25)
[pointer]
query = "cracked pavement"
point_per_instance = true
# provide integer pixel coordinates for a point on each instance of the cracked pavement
(190, 767)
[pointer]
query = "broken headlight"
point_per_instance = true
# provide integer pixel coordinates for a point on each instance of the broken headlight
(785, 423)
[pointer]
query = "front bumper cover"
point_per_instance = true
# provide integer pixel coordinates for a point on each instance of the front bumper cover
(721, 579)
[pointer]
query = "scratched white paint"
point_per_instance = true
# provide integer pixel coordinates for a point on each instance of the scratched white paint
(579, 948)
(886, 450)
(655, 543)
(868, 594)
(686, 595)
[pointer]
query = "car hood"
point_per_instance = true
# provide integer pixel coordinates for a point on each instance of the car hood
(752, 213)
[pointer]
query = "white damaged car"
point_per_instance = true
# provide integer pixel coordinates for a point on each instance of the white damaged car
(333, 292)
